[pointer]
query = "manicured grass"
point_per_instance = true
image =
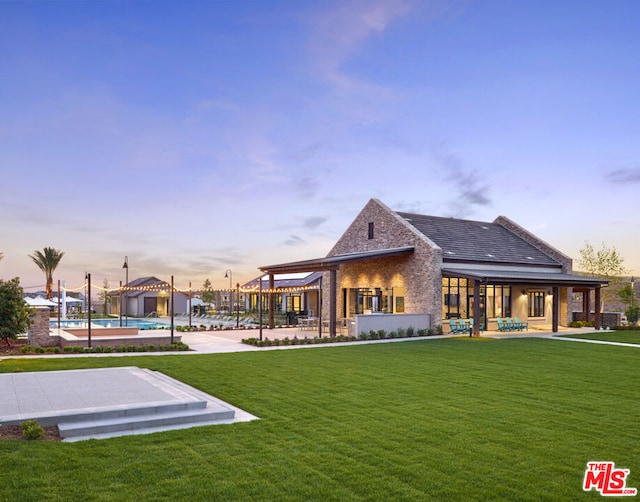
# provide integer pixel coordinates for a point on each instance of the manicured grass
(454, 419)
(610, 336)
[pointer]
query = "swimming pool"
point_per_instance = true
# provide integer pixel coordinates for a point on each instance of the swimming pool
(110, 323)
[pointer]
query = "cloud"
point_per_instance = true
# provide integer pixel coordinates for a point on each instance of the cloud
(469, 188)
(313, 222)
(341, 32)
(294, 240)
(627, 175)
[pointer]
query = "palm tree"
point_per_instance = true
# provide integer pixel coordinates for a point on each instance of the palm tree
(47, 262)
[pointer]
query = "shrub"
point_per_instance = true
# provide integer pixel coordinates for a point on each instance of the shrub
(25, 349)
(382, 334)
(411, 331)
(362, 336)
(32, 430)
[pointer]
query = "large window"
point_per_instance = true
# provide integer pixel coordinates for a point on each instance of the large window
(536, 303)
(498, 301)
(294, 302)
(457, 299)
(369, 300)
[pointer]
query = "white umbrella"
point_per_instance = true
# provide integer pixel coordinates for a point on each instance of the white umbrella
(38, 301)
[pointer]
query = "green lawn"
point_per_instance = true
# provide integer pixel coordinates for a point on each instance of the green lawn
(452, 419)
(610, 336)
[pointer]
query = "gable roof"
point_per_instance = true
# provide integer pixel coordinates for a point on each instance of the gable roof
(477, 241)
(141, 285)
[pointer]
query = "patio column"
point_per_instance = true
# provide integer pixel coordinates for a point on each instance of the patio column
(555, 308)
(586, 304)
(476, 308)
(333, 299)
(272, 302)
(597, 308)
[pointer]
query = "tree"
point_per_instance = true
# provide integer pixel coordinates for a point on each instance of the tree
(208, 294)
(104, 297)
(47, 262)
(627, 296)
(605, 263)
(15, 315)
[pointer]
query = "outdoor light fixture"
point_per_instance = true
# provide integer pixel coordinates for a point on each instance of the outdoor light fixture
(524, 292)
(87, 277)
(126, 293)
(228, 275)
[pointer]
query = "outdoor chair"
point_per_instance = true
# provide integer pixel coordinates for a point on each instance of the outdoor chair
(471, 326)
(453, 325)
(512, 325)
(502, 326)
(464, 327)
(523, 325)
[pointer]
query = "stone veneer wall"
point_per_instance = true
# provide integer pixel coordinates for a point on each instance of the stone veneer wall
(38, 334)
(419, 272)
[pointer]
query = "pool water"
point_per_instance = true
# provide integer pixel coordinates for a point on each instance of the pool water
(109, 323)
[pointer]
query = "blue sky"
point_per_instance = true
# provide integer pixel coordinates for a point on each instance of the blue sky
(200, 136)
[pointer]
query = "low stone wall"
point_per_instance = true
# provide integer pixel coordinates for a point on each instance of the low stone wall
(118, 341)
(607, 319)
(101, 332)
(389, 322)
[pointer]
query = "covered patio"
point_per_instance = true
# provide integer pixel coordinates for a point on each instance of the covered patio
(555, 284)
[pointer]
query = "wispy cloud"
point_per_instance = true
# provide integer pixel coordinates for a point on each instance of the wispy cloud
(341, 32)
(313, 222)
(294, 240)
(625, 175)
(469, 188)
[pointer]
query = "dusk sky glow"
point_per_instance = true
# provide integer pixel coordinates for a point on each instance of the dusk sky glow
(199, 136)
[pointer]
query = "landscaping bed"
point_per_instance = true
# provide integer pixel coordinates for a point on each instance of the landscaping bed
(51, 433)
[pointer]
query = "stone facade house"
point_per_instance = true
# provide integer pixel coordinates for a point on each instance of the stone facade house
(402, 263)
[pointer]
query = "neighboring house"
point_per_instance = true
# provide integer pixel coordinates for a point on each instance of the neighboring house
(299, 293)
(148, 296)
(396, 262)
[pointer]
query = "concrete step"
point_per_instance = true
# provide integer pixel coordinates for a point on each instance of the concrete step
(135, 424)
(189, 407)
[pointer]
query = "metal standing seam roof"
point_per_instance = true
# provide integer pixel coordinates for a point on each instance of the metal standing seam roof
(286, 283)
(477, 241)
(533, 278)
(333, 262)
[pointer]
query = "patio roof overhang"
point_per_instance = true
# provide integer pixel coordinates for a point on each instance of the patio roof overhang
(498, 276)
(333, 262)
